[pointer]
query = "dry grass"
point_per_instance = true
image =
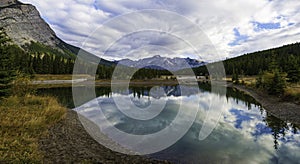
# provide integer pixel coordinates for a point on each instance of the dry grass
(293, 92)
(23, 120)
(37, 86)
(42, 77)
(248, 80)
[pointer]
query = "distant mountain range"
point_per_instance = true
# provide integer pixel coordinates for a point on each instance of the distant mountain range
(24, 26)
(159, 62)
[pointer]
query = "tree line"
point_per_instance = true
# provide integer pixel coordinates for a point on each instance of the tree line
(36, 58)
(274, 68)
(287, 57)
(15, 61)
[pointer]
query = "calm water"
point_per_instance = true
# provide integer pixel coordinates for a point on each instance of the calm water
(245, 133)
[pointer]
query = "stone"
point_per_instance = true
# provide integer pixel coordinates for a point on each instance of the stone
(4, 3)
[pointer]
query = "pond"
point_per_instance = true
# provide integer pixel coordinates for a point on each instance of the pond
(244, 132)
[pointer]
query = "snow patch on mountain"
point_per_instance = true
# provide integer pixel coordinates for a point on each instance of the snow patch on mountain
(159, 62)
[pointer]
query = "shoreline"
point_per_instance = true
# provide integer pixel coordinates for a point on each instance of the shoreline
(68, 142)
(284, 110)
(99, 83)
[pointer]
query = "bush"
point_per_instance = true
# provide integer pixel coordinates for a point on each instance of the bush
(21, 85)
(273, 82)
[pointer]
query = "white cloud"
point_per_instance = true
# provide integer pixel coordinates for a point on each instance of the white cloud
(74, 20)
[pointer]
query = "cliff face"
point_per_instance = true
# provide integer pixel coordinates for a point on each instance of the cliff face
(23, 24)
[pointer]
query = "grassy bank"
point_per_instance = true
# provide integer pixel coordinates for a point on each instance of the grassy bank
(42, 77)
(291, 92)
(23, 120)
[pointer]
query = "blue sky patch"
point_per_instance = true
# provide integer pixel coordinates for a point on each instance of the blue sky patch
(238, 38)
(262, 129)
(96, 6)
(241, 116)
(266, 26)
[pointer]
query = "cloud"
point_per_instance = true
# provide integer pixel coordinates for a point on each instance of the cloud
(234, 28)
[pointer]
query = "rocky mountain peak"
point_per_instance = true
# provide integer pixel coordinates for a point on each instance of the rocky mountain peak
(159, 62)
(23, 24)
(5, 3)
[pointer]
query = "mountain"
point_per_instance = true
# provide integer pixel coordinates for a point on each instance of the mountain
(23, 24)
(160, 63)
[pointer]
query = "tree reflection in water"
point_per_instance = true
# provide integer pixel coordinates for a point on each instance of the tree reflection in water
(277, 127)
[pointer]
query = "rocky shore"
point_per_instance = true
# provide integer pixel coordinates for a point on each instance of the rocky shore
(68, 142)
(287, 111)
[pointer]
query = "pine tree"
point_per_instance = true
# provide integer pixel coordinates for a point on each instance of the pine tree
(259, 79)
(7, 72)
(294, 75)
(37, 64)
(46, 64)
(235, 77)
(278, 84)
(273, 64)
(293, 70)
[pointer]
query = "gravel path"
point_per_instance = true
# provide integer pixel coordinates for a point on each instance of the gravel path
(284, 110)
(68, 142)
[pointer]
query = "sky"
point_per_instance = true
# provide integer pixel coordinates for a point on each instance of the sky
(115, 29)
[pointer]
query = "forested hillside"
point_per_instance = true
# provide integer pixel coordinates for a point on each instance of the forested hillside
(287, 58)
(277, 70)
(38, 59)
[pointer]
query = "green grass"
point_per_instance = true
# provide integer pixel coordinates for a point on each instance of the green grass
(23, 120)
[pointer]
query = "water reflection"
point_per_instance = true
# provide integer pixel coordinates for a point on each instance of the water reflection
(245, 133)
